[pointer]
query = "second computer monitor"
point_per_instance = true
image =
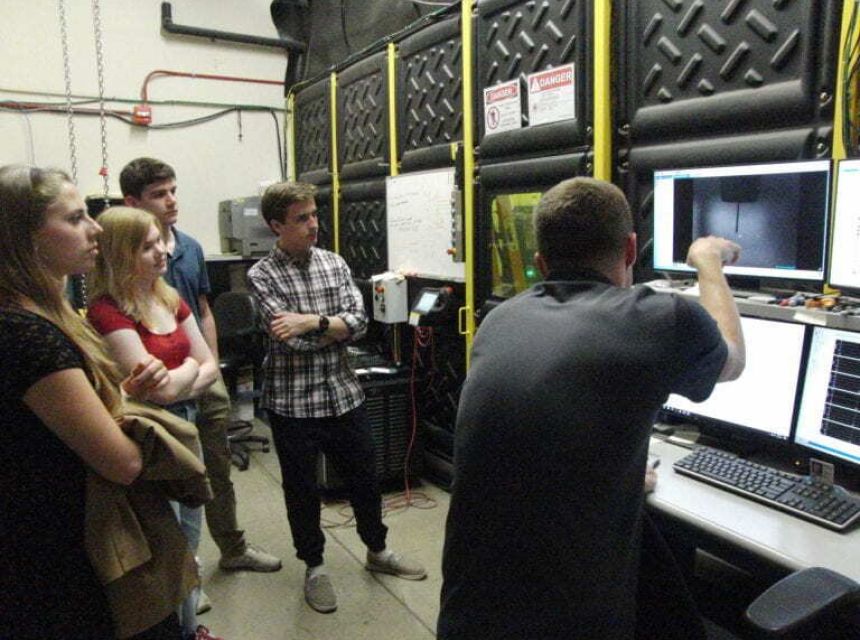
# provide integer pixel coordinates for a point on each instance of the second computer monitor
(776, 212)
(845, 249)
(760, 404)
(829, 416)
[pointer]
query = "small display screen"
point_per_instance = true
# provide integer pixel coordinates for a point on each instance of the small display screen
(425, 302)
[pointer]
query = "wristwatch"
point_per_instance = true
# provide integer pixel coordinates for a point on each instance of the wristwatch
(323, 324)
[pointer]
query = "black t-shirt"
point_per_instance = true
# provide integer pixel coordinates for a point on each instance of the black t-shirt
(550, 448)
(48, 588)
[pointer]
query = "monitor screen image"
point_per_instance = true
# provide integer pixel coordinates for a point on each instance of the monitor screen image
(829, 416)
(776, 212)
(762, 400)
(845, 246)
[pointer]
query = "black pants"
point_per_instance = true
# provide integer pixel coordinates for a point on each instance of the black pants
(347, 442)
(665, 607)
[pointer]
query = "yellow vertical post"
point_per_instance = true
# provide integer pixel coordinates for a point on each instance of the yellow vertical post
(393, 161)
(845, 48)
(335, 180)
(394, 164)
(468, 177)
(602, 89)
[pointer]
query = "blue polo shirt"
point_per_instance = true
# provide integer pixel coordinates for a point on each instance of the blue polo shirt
(186, 271)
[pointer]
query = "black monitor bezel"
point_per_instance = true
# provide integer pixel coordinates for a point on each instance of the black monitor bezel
(783, 281)
(803, 449)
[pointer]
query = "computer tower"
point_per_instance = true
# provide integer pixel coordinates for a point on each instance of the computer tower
(388, 409)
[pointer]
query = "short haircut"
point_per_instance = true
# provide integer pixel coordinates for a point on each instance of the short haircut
(582, 222)
(138, 174)
(281, 196)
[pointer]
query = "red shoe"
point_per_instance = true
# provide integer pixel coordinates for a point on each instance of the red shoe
(203, 633)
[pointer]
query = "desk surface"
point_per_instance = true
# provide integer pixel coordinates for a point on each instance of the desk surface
(768, 533)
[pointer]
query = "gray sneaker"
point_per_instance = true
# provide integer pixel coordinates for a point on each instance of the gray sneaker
(254, 559)
(319, 593)
(396, 565)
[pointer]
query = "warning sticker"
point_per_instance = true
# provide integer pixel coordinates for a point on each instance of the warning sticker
(503, 109)
(552, 95)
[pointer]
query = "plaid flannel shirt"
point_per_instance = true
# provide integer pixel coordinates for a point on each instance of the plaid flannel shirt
(303, 379)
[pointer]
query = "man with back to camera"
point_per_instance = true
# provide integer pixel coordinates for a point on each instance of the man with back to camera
(150, 184)
(542, 536)
(311, 308)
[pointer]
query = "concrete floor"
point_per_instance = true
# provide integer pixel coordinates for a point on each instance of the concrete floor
(256, 606)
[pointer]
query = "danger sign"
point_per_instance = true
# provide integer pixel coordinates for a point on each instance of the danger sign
(503, 109)
(552, 95)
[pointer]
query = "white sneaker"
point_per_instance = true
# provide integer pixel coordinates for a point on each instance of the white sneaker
(254, 559)
(204, 604)
(395, 564)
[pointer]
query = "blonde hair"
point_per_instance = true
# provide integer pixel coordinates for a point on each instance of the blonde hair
(25, 194)
(124, 233)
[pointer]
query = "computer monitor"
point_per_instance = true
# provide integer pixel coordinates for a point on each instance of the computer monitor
(760, 404)
(845, 245)
(776, 212)
(829, 417)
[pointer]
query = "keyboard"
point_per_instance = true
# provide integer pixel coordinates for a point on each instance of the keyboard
(802, 496)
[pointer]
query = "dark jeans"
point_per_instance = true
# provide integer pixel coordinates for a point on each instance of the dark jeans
(347, 442)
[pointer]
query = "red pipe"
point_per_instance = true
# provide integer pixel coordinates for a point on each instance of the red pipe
(205, 76)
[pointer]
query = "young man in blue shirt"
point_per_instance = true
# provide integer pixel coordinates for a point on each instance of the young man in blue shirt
(150, 184)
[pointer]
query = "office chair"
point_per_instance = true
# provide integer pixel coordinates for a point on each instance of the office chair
(240, 346)
(809, 604)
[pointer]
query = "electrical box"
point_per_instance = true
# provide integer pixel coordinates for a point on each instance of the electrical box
(389, 297)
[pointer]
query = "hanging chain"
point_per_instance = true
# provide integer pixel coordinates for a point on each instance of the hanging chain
(64, 37)
(100, 66)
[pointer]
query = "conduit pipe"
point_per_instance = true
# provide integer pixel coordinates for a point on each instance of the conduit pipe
(288, 44)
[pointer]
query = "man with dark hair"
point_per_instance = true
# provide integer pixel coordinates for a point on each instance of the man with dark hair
(551, 440)
(311, 308)
(150, 184)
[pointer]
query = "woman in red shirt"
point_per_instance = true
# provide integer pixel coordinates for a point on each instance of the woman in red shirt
(138, 313)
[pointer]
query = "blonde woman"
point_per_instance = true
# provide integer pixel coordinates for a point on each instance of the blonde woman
(59, 397)
(139, 314)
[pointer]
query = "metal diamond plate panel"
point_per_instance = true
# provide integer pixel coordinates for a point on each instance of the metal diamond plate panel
(325, 217)
(515, 39)
(362, 114)
(313, 133)
(442, 370)
(694, 66)
(363, 238)
(708, 83)
(430, 89)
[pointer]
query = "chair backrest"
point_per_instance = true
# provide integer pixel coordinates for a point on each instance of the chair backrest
(240, 337)
(235, 314)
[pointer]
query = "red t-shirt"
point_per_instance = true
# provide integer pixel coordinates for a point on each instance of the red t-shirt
(171, 348)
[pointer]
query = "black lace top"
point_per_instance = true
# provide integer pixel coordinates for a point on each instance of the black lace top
(47, 586)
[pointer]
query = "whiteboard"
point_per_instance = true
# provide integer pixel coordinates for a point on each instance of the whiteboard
(418, 221)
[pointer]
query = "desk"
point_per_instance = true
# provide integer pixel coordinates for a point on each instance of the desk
(719, 518)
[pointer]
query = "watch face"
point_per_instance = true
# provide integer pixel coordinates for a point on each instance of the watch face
(323, 323)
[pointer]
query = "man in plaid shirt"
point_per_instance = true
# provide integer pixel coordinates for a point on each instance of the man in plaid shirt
(311, 309)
